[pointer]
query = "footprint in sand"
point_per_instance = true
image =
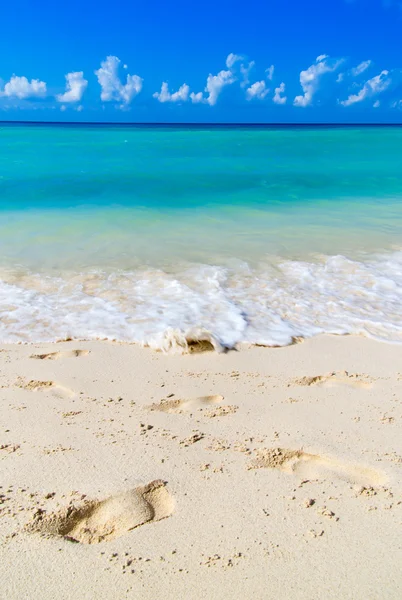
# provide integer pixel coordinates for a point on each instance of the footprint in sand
(314, 466)
(178, 406)
(35, 385)
(334, 379)
(97, 521)
(58, 355)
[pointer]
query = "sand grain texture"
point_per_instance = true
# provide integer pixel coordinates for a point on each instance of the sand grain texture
(279, 469)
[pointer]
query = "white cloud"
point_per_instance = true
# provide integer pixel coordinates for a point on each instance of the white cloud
(245, 71)
(22, 88)
(75, 87)
(164, 95)
(278, 98)
(197, 98)
(372, 87)
(112, 87)
(232, 59)
(181, 94)
(270, 72)
(309, 79)
(216, 83)
(355, 71)
(376, 104)
(63, 107)
(257, 90)
(360, 68)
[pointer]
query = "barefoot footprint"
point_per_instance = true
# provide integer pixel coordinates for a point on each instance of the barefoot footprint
(336, 378)
(58, 355)
(97, 521)
(177, 405)
(314, 466)
(36, 385)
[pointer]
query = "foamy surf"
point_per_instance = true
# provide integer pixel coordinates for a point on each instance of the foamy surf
(207, 307)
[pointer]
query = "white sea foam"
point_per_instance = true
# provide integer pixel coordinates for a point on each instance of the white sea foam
(269, 305)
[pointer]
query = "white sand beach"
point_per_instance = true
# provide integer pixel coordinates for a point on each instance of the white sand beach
(263, 473)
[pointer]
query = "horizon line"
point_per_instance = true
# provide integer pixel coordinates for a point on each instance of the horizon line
(198, 124)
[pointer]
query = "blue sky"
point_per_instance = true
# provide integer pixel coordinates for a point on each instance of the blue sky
(219, 61)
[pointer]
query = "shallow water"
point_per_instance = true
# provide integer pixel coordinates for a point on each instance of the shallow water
(161, 235)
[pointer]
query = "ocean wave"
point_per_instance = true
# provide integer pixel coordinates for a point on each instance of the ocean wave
(207, 306)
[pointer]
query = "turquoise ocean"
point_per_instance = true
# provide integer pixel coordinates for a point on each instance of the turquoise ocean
(164, 235)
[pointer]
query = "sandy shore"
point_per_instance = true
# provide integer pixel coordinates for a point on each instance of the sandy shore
(265, 473)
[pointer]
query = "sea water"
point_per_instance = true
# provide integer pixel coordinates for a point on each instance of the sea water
(164, 235)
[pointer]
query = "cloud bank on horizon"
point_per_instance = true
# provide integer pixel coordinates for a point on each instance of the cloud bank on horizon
(324, 74)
